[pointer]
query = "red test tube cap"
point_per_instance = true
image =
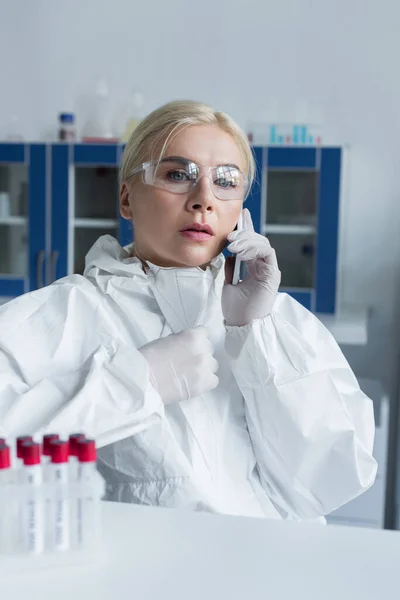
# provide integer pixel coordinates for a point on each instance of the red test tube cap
(59, 451)
(20, 442)
(3, 441)
(5, 457)
(74, 439)
(86, 451)
(31, 453)
(47, 439)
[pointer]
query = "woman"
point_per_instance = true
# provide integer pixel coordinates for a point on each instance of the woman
(201, 394)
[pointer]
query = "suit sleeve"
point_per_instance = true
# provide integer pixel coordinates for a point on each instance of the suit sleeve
(64, 368)
(311, 426)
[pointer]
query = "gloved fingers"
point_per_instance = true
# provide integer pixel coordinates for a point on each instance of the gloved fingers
(206, 363)
(193, 335)
(269, 274)
(182, 385)
(271, 260)
(249, 236)
(214, 366)
(247, 225)
(212, 383)
(197, 340)
(250, 246)
(200, 348)
(204, 347)
(206, 383)
(232, 237)
(201, 381)
(247, 220)
(182, 365)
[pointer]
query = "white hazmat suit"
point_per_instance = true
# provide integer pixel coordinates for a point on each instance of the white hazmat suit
(286, 434)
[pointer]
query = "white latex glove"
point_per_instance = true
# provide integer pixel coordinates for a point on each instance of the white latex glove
(254, 297)
(182, 365)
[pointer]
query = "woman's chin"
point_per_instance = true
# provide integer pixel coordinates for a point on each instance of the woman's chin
(196, 256)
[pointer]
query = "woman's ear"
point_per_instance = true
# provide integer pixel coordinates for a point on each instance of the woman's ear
(124, 205)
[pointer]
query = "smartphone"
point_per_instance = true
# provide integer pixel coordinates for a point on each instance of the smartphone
(236, 270)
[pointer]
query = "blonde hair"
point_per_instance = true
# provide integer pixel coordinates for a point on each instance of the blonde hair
(156, 131)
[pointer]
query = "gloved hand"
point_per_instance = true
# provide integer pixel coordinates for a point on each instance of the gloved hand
(254, 297)
(181, 365)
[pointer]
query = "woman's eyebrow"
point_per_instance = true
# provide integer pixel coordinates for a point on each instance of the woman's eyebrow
(229, 165)
(184, 160)
(180, 159)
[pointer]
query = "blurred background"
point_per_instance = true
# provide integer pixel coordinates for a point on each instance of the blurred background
(314, 84)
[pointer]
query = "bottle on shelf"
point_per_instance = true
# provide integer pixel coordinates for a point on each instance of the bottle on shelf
(134, 115)
(67, 128)
(98, 127)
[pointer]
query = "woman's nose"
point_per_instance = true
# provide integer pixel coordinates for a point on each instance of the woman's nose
(201, 197)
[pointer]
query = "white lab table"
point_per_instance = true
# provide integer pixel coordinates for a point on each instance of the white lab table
(156, 553)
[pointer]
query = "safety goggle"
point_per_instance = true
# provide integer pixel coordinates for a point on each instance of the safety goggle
(180, 175)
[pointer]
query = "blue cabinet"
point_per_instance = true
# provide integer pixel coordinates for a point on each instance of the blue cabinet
(84, 203)
(57, 199)
(23, 227)
(295, 203)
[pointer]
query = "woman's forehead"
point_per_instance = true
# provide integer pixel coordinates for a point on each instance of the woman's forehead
(206, 145)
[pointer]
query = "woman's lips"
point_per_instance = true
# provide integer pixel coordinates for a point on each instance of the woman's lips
(197, 236)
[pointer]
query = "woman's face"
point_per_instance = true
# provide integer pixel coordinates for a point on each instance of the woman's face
(160, 216)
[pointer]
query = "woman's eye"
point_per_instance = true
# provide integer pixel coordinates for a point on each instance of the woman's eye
(177, 175)
(225, 183)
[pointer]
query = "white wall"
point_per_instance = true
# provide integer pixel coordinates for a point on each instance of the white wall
(239, 55)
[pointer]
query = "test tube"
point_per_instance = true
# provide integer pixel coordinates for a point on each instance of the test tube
(46, 453)
(20, 442)
(31, 507)
(88, 507)
(46, 446)
(5, 501)
(59, 478)
(87, 459)
(5, 464)
(74, 440)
